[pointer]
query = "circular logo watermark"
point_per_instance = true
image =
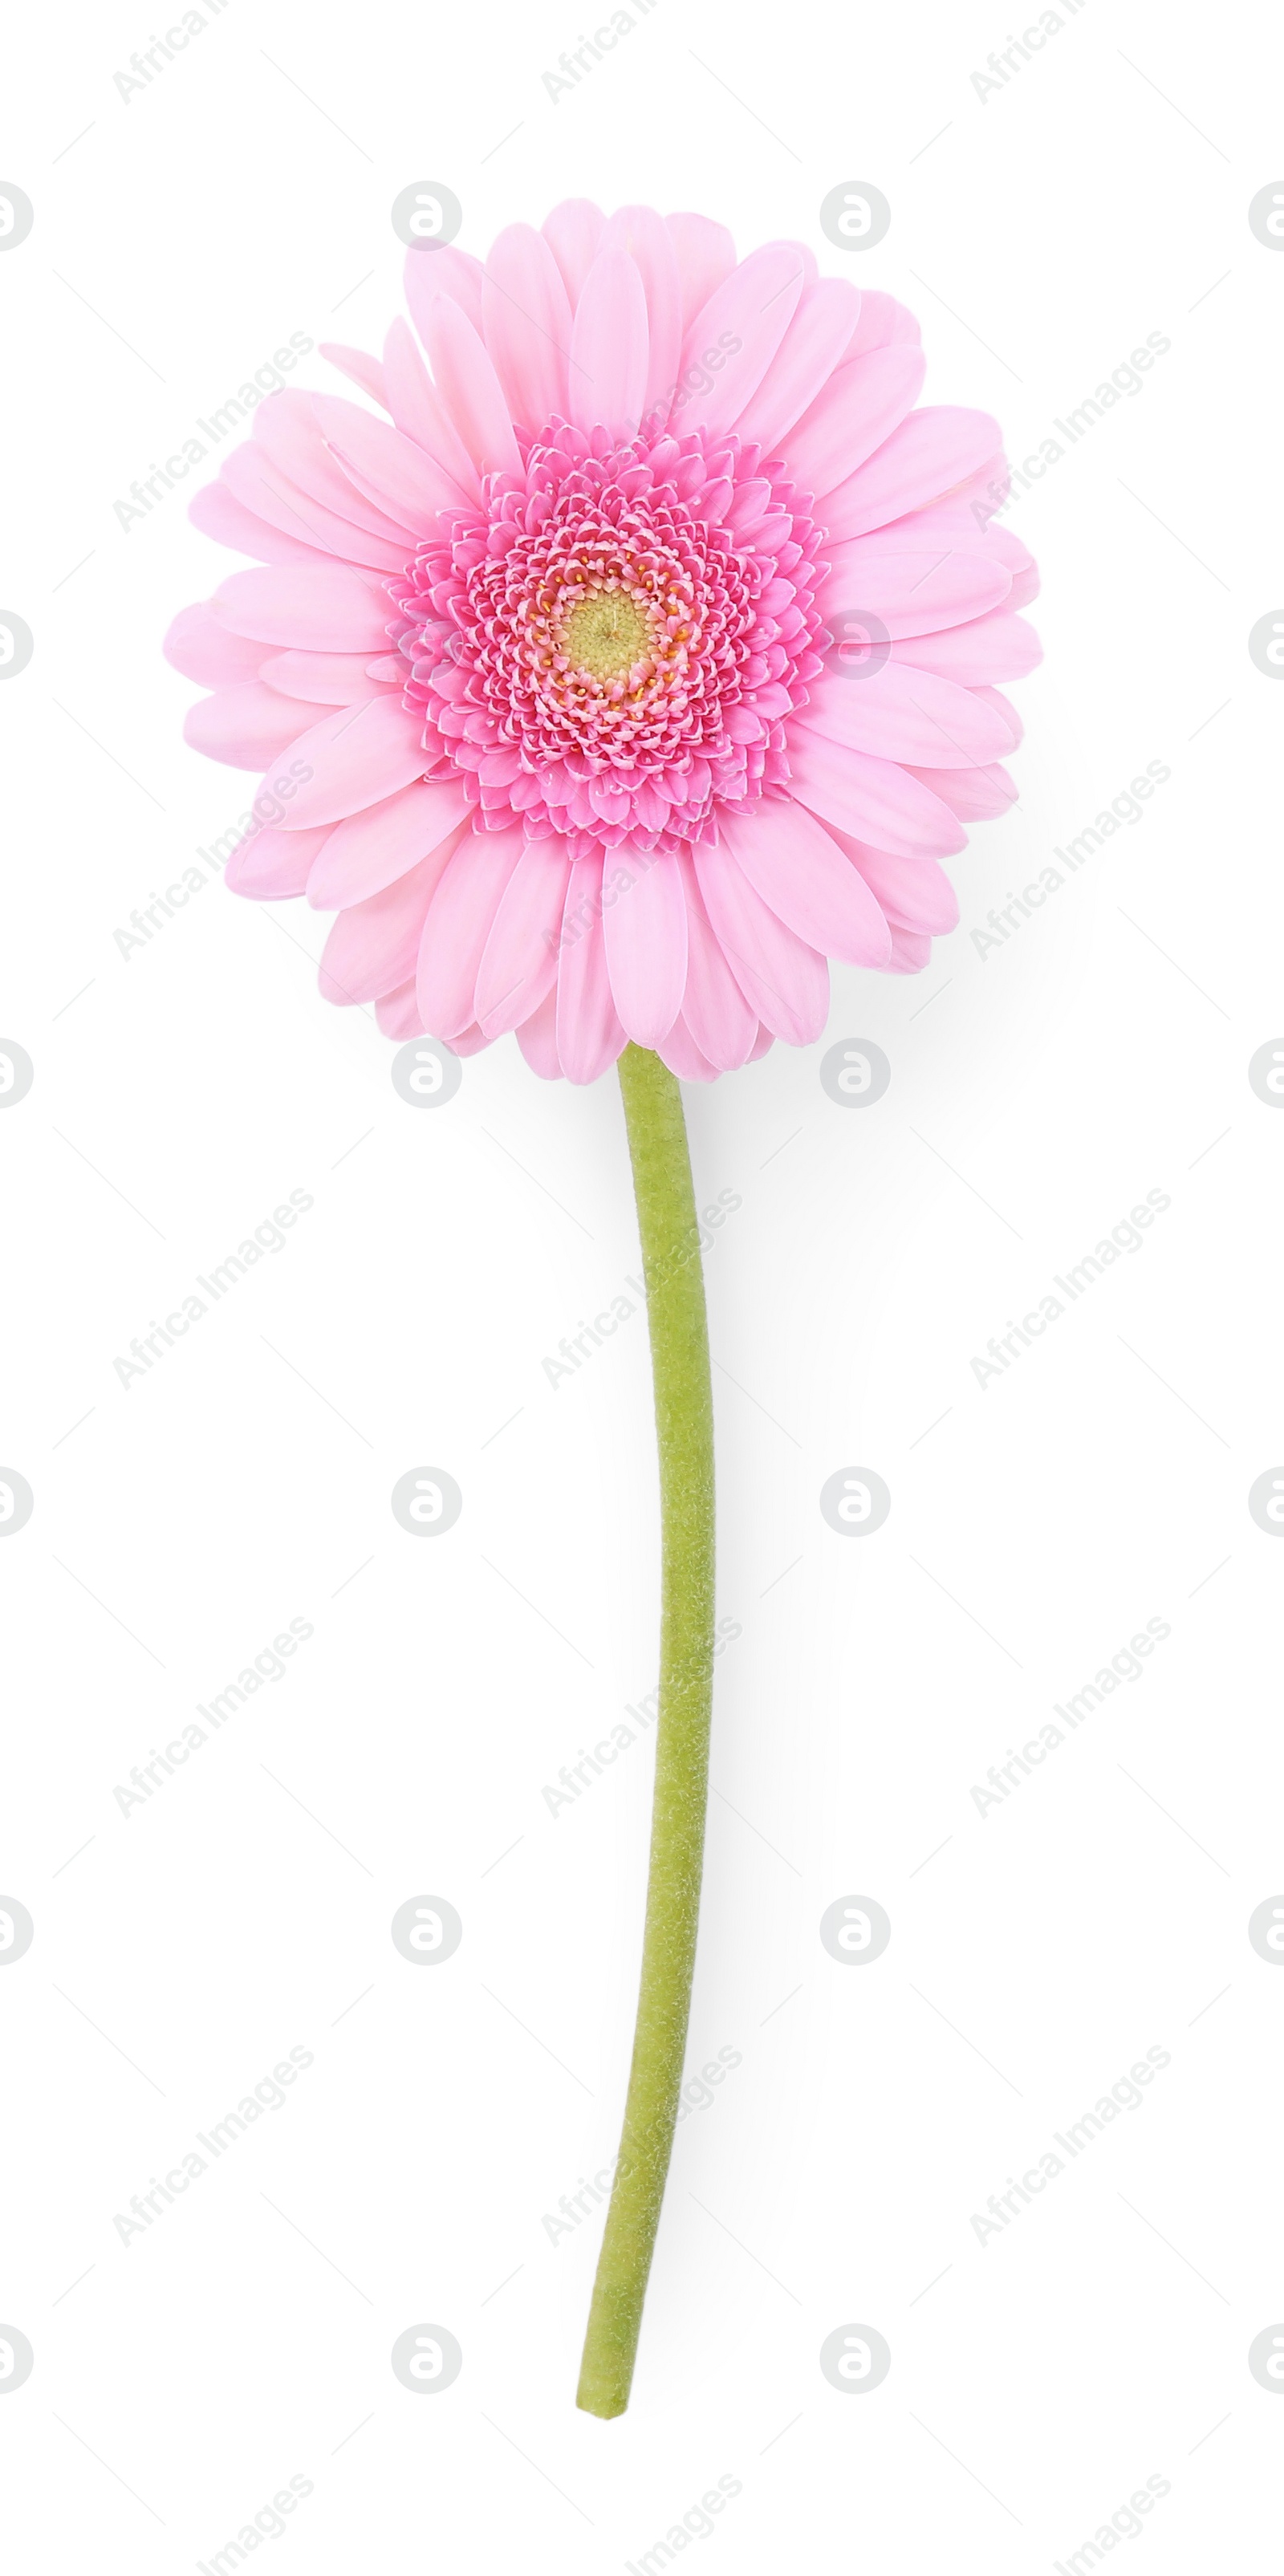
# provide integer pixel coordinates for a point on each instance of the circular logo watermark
(1266, 1501)
(855, 1501)
(425, 1073)
(859, 643)
(855, 1073)
(426, 1501)
(1266, 215)
(1266, 643)
(426, 214)
(426, 2359)
(855, 2359)
(426, 1930)
(855, 1930)
(16, 2359)
(17, 643)
(17, 1072)
(1265, 2359)
(855, 216)
(17, 1502)
(1266, 1073)
(17, 1931)
(17, 215)
(1265, 1930)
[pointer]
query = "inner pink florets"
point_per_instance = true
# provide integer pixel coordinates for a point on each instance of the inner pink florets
(609, 647)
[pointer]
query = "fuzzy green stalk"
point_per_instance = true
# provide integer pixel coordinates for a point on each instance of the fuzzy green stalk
(684, 1428)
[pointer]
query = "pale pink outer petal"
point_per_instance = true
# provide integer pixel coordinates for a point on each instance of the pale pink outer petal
(245, 725)
(519, 961)
(649, 243)
(874, 800)
(609, 352)
(468, 1041)
(201, 648)
(996, 647)
(318, 607)
(458, 926)
(929, 454)
(417, 409)
(218, 514)
(805, 362)
(721, 1022)
(681, 1054)
(762, 1045)
(883, 323)
(975, 795)
(914, 584)
(272, 864)
(706, 254)
(431, 271)
(785, 980)
(645, 928)
(1005, 714)
(899, 713)
(384, 464)
(746, 318)
(359, 368)
(537, 1038)
(860, 406)
(574, 232)
(372, 849)
(286, 439)
(373, 945)
(323, 679)
(589, 1035)
(398, 1012)
(808, 882)
(354, 760)
(527, 316)
(911, 952)
(469, 388)
(251, 477)
(915, 892)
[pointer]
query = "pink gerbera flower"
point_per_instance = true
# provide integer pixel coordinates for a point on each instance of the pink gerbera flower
(558, 660)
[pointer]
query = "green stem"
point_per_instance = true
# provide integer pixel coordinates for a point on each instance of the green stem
(684, 1429)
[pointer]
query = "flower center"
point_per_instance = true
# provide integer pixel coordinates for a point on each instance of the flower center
(606, 634)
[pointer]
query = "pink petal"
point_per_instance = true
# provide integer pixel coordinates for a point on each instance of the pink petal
(609, 350)
(469, 1041)
(917, 891)
(519, 961)
(746, 318)
(975, 795)
(372, 849)
(805, 364)
(324, 679)
(372, 946)
(808, 882)
(398, 1012)
(418, 410)
(874, 800)
(645, 928)
(469, 388)
(762, 1045)
(287, 432)
(706, 254)
(997, 647)
(785, 980)
(649, 244)
(245, 725)
(721, 1022)
(202, 649)
(589, 1036)
(218, 514)
(250, 476)
(324, 607)
(527, 318)
(681, 1054)
(914, 584)
(358, 367)
(459, 925)
(899, 713)
(352, 760)
(931, 451)
(911, 952)
(1005, 714)
(272, 864)
(537, 1038)
(431, 271)
(574, 235)
(883, 323)
(861, 405)
(385, 465)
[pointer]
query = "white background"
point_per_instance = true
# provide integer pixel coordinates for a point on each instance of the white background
(1038, 1093)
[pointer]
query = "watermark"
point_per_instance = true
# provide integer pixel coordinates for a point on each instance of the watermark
(1266, 644)
(271, 805)
(426, 1930)
(426, 215)
(1125, 809)
(426, 1501)
(575, 1778)
(227, 415)
(697, 2093)
(17, 643)
(268, 1237)
(855, 1073)
(573, 68)
(1126, 1237)
(425, 1073)
(855, 1501)
(1265, 1501)
(267, 2524)
(1265, 2358)
(855, 1929)
(427, 2359)
(1001, 68)
(17, 1073)
(1266, 215)
(1125, 2524)
(855, 2359)
(269, 2094)
(1126, 380)
(268, 1666)
(1265, 1929)
(696, 2524)
(17, 1931)
(145, 68)
(576, 1348)
(17, 215)
(16, 2359)
(855, 215)
(17, 1501)
(1126, 2094)
(1125, 1666)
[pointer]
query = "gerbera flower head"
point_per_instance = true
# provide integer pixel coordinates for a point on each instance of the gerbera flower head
(633, 659)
